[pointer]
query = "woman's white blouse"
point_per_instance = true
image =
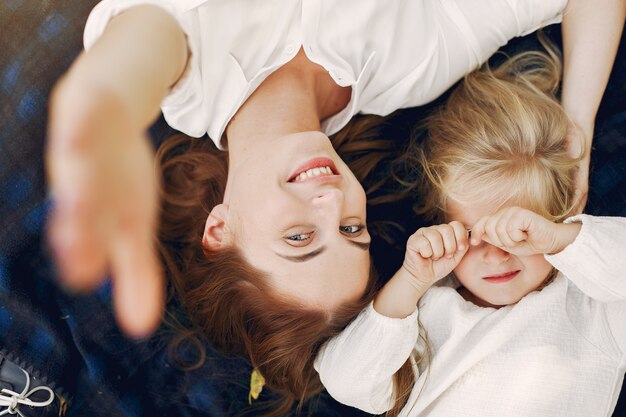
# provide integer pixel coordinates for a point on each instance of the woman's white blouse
(393, 53)
(560, 351)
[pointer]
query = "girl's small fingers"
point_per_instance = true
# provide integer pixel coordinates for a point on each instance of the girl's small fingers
(516, 235)
(478, 230)
(491, 232)
(517, 226)
(423, 247)
(449, 240)
(461, 235)
(503, 229)
(412, 245)
(436, 242)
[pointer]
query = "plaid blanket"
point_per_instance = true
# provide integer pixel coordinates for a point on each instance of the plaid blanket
(73, 341)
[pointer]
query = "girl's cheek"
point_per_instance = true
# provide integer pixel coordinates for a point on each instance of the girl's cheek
(468, 264)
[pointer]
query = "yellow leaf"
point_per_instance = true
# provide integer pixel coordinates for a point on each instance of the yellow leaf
(256, 385)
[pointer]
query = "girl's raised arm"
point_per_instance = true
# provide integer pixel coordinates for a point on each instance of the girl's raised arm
(100, 164)
(591, 35)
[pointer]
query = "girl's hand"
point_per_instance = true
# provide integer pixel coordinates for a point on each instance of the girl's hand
(433, 252)
(102, 179)
(523, 232)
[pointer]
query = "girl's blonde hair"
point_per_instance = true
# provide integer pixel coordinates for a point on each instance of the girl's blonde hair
(500, 138)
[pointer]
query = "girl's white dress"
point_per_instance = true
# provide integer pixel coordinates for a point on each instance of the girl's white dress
(560, 351)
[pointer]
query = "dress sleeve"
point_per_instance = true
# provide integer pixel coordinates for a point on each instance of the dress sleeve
(596, 263)
(357, 366)
(188, 88)
(596, 260)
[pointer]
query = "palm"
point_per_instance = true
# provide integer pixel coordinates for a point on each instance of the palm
(102, 178)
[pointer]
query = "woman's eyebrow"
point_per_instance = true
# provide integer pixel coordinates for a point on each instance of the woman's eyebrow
(360, 245)
(307, 256)
(303, 258)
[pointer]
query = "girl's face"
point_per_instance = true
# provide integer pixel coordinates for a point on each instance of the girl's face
(493, 276)
(298, 213)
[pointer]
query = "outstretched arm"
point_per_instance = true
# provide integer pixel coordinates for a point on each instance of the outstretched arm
(591, 34)
(100, 164)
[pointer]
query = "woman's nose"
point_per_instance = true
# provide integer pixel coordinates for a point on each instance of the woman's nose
(494, 255)
(330, 201)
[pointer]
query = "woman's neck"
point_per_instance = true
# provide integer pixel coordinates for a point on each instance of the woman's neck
(295, 98)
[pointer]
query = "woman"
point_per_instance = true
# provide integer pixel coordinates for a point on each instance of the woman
(291, 210)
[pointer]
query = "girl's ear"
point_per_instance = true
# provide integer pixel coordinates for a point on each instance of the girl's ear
(213, 237)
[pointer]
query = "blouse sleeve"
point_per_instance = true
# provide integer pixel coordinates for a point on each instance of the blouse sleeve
(596, 263)
(469, 32)
(487, 25)
(596, 260)
(187, 91)
(357, 366)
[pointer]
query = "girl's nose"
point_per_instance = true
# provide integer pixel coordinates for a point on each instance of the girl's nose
(494, 255)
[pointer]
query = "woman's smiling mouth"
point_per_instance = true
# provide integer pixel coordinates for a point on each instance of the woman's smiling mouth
(313, 172)
(315, 168)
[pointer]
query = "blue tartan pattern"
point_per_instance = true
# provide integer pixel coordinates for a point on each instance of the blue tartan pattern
(73, 341)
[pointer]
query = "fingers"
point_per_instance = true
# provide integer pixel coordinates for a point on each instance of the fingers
(82, 252)
(439, 241)
(478, 231)
(76, 229)
(421, 245)
(505, 229)
(78, 249)
(138, 284)
(436, 241)
(433, 252)
(461, 236)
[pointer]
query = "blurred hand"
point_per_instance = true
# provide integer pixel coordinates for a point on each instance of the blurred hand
(103, 183)
(433, 252)
(523, 232)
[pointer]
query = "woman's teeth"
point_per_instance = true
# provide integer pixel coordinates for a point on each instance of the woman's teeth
(313, 172)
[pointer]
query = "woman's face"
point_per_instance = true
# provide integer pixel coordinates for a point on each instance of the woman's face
(297, 212)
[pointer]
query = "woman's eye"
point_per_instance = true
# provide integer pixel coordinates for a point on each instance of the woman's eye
(299, 237)
(352, 230)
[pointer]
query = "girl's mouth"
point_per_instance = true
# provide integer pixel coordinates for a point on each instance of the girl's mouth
(501, 278)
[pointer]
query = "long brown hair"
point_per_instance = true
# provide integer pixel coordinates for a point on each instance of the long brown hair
(228, 301)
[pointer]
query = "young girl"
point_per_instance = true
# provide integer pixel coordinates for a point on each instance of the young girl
(531, 320)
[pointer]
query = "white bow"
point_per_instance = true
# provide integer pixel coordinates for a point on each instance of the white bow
(13, 400)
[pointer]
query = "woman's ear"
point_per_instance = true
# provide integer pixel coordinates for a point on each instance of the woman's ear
(213, 237)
